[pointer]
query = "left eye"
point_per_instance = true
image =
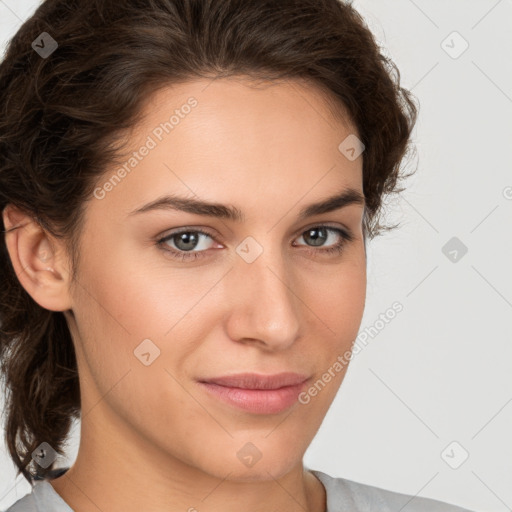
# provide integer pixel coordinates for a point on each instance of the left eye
(318, 239)
(186, 242)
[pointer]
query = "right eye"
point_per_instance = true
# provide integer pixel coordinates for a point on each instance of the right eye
(185, 241)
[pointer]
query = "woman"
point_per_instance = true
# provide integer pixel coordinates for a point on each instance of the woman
(187, 187)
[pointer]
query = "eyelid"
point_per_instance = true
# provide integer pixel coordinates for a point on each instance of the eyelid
(326, 224)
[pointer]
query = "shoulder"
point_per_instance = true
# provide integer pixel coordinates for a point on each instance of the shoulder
(345, 494)
(25, 504)
(43, 497)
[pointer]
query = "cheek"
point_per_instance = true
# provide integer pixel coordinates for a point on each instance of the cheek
(117, 312)
(336, 322)
(123, 304)
(144, 298)
(340, 301)
(338, 308)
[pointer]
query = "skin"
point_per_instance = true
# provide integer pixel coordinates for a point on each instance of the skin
(151, 438)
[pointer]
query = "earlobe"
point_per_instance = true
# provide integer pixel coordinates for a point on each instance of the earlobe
(38, 260)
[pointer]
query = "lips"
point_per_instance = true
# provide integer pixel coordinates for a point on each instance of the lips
(256, 393)
(258, 381)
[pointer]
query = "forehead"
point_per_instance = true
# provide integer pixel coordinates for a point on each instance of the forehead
(244, 96)
(225, 139)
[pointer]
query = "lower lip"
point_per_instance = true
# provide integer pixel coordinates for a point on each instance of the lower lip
(258, 401)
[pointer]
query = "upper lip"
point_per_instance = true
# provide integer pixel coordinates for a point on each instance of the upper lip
(258, 381)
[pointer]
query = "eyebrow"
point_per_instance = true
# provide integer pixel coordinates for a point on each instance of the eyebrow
(347, 197)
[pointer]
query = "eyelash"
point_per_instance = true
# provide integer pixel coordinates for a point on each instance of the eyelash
(345, 238)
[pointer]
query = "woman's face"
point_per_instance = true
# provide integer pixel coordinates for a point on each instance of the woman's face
(259, 295)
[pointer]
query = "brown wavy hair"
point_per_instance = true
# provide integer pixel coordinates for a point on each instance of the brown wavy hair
(61, 118)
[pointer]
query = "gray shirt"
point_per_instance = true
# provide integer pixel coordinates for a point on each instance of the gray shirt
(342, 496)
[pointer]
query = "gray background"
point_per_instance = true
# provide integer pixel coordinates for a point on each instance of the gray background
(439, 372)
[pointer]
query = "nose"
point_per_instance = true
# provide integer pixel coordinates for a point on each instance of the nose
(266, 304)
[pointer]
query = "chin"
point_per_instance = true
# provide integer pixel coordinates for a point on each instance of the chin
(262, 470)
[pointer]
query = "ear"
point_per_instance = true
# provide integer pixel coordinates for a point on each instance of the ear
(39, 260)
